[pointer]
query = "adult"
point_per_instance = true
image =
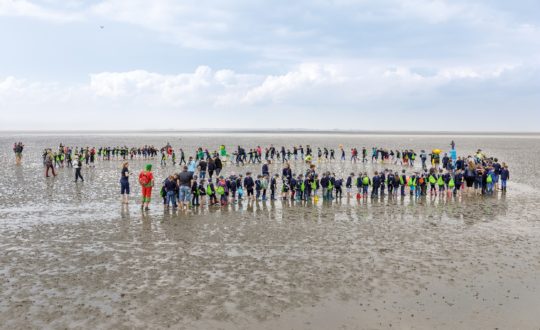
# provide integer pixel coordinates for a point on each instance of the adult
(219, 165)
(287, 172)
(49, 159)
(192, 165)
(124, 183)
(185, 181)
(202, 168)
(78, 168)
(211, 167)
(266, 168)
(18, 149)
(146, 180)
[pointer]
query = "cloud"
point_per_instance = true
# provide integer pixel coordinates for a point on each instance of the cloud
(319, 88)
(24, 8)
(354, 58)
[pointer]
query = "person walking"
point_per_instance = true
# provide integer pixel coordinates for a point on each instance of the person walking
(78, 168)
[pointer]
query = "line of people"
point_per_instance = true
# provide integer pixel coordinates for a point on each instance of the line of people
(189, 188)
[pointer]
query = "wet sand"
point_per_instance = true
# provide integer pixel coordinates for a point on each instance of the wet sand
(74, 258)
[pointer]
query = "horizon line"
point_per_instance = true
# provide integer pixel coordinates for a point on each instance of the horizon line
(275, 131)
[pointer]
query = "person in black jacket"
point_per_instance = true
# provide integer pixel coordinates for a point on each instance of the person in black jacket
(376, 182)
(249, 184)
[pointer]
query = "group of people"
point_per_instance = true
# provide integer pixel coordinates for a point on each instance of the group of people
(201, 181)
(476, 174)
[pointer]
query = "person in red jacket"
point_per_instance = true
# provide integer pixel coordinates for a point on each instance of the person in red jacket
(146, 179)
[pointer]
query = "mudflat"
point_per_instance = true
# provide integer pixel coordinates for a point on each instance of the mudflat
(73, 257)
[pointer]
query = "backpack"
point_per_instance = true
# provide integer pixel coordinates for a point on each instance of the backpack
(220, 190)
(440, 181)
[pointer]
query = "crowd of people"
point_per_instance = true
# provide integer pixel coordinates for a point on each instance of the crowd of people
(200, 180)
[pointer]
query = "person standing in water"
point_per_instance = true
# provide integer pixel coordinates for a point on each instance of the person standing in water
(124, 183)
(18, 149)
(78, 167)
(48, 160)
(146, 180)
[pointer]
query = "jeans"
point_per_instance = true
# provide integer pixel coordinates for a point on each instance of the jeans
(171, 197)
(124, 187)
(184, 194)
(77, 174)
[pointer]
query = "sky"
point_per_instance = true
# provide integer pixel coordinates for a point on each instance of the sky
(422, 65)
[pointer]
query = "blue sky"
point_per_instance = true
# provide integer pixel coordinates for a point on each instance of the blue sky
(349, 64)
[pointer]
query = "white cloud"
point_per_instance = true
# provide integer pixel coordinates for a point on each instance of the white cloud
(316, 87)
(24, 8)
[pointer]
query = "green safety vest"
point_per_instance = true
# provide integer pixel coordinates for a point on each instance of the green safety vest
(314, 185)
(365, 181)
(302, 186)
(401, 181)
(209, 190)
(451, 184)
(220, 190)
(412, 182)
(489, 179)
(432, 179)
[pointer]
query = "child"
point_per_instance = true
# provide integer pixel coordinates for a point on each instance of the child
(211, 193)
(337, 186)
(264, 186)
(403, 182)
(221, 190)
(300, 187)
(273, 187)
(239, 187)
(258, 187)
(348, 184)
(231, 185)
(376, 184)
(249, 184)
(285, 188)
(365, 184)
(440, 183)
(195, 193)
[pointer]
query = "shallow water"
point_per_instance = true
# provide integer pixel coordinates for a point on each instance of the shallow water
(73, 257)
